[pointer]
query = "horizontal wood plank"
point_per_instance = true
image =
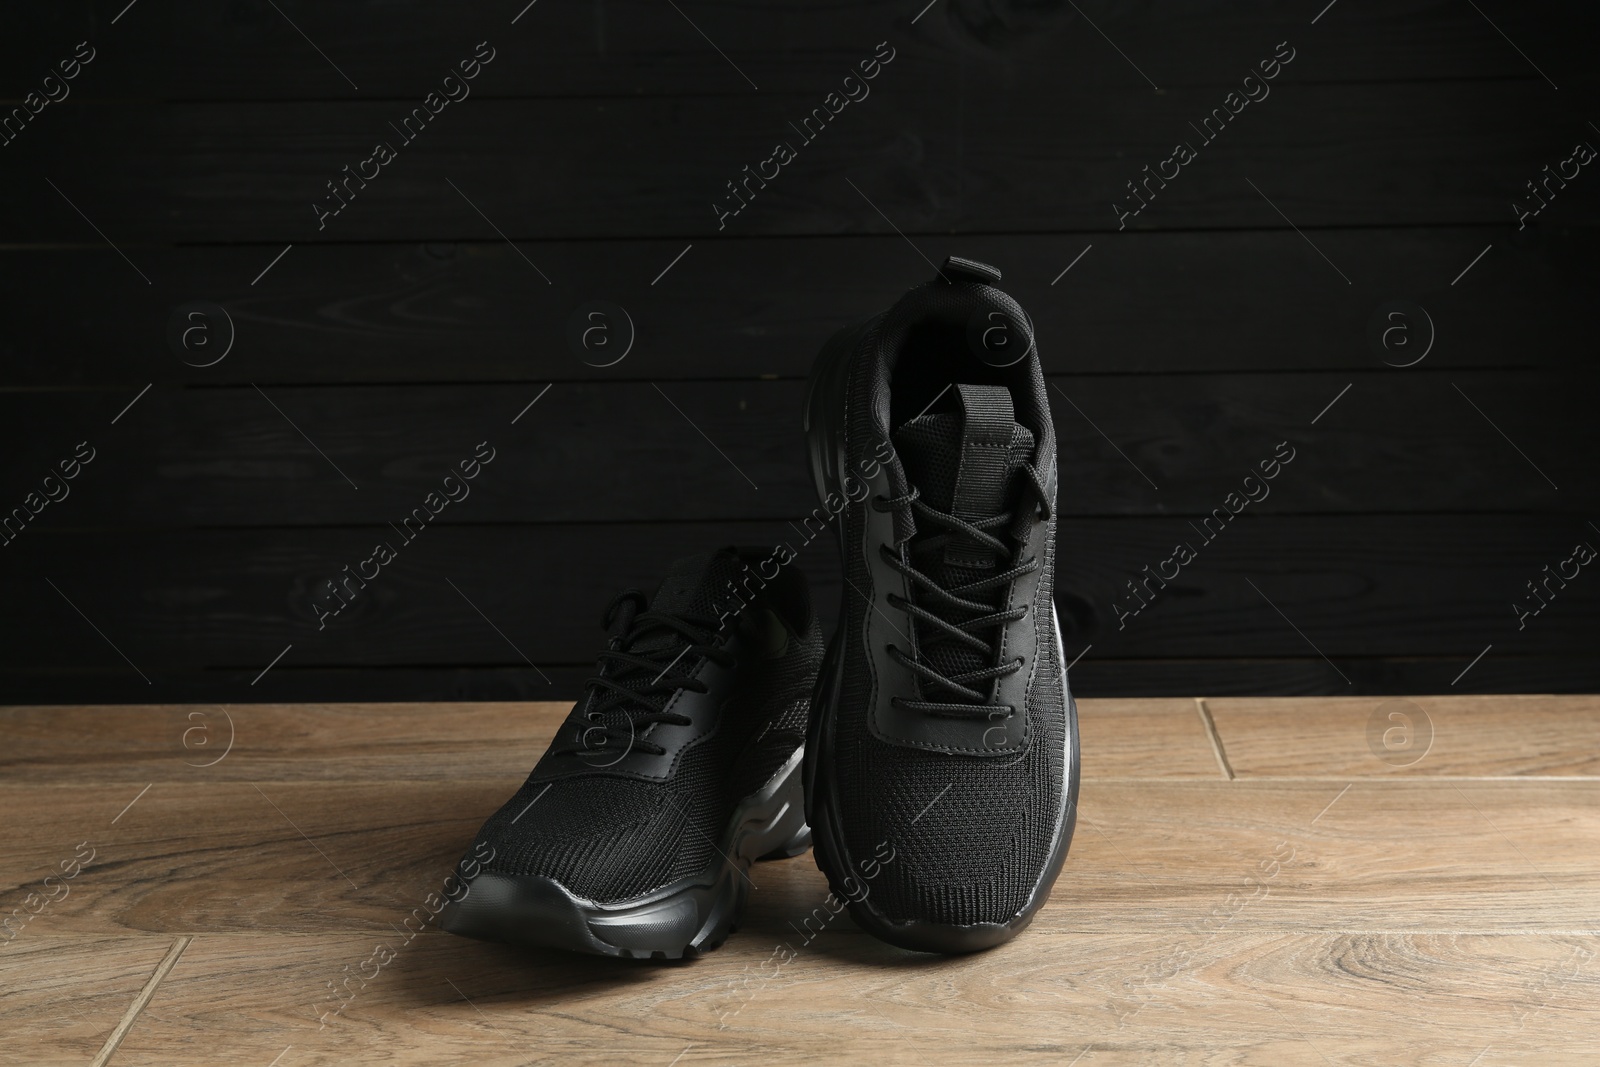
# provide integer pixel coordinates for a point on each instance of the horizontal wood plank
(392, 742)
(586, 452)
(551, 169)
(61, 997)
(1245, 997)
(214, 856)
(632, 47)
(1127, 738)
(466, 311)
(1325, 738)
(234, 600)
(1457, 736)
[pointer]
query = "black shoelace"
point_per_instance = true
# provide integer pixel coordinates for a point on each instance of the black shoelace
(960, 617)
(641, 681)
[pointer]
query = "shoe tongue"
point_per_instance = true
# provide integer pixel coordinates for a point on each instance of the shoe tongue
(962, 461)
(694, 585)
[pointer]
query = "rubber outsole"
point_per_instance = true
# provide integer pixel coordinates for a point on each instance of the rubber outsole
(824, 406)
(683, 920)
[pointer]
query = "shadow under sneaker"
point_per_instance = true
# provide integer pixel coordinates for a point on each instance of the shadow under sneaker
(943, 732)
(678, 768)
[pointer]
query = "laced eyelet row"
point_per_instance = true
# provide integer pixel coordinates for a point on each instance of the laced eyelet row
(966, 702)
(669, 669)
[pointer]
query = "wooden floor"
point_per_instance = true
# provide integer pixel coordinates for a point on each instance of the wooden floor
(1264, 881)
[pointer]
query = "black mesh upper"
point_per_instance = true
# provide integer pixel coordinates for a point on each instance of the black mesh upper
(611, 837)
(977, 853)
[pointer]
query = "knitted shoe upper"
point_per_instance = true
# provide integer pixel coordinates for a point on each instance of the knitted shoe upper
(609, 835)
(972, 835)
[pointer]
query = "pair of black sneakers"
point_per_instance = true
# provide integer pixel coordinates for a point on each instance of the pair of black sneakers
(930, 752)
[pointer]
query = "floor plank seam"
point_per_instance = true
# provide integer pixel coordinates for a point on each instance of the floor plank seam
(1216, 740)
(131, 1016)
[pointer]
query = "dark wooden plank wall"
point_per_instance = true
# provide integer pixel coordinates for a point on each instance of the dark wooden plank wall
(1222, 319)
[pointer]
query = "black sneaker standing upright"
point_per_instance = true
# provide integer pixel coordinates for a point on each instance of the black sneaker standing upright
(679, 767)
(942, 758)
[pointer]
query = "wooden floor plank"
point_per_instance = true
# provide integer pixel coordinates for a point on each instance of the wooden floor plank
(1447, 917)
(1243, 997)
(1403, 854)
(1143, 738)
(1456, 736)
(276, 742)
(185, 744)
(61, 997)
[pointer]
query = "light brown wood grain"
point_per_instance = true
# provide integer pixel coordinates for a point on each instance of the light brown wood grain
(275, 742)
(61, 997)
(1241, 997)
(1144, 738)
(1132, 738)
(1384, 854)
(1471, 736)
(1301, 913)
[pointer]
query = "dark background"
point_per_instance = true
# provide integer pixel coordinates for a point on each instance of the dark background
(408, 330)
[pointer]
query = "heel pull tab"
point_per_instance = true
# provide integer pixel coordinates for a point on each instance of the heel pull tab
(987, 421)
(957, 269)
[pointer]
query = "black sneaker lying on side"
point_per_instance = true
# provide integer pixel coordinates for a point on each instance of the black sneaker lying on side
(677, 769)
(942, 759)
